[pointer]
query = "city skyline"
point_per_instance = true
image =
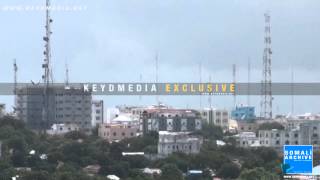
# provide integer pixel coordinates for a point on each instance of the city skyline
(119, 41)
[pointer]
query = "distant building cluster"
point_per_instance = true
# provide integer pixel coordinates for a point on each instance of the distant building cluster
(295, 132)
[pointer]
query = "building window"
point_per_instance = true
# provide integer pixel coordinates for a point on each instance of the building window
(277, 135)
(287, 142)
(123, 134)
(287, 135)
(131, 134)
(97, 111)
(114, 134)
(296, 142)
(97, 118)
(314, 128)
(277, 142)
(296, 135)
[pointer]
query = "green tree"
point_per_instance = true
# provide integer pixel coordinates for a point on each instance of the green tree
(269, 126)
(229, 170)
(257, 174)
(170, 172)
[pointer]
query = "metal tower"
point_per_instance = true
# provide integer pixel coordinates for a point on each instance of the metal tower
(266, 100)
(47, 76)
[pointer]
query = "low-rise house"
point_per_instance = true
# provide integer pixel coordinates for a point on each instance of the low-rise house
(117, 132)
(170, 142)
(61, 129)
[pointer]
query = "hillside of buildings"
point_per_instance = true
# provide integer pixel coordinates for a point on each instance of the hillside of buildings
(30, 155)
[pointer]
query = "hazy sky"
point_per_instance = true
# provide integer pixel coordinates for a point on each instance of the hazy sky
(117, 40)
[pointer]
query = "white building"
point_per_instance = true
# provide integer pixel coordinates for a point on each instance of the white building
(248, 139)
(218, 117)
(60, 129)
(97, 113)
(125, 119)
(277, 138)
(170, 142)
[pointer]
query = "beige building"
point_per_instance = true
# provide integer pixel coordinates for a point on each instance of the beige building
(218, 117)
(117, 132)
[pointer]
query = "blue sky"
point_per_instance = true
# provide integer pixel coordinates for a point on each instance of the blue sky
(116, 41)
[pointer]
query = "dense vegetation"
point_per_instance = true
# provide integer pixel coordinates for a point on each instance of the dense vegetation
(67, 156)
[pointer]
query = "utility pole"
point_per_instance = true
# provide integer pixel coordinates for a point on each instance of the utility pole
(266, 100)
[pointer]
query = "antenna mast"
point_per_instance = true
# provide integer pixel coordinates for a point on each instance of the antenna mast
(200, 81)
(157, 68)
(67, 75)
(15, 70)
(234, 70)
(266, 101)
(47, 76)
(249, 69)
(210, 95)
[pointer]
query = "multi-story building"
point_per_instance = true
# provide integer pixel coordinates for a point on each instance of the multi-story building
(97, 113)
(117, 132)
(243, 113)
(310, 132)
(170, 142)
(66, 106)
(218, 117)
(173, 120)
(276, 138)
